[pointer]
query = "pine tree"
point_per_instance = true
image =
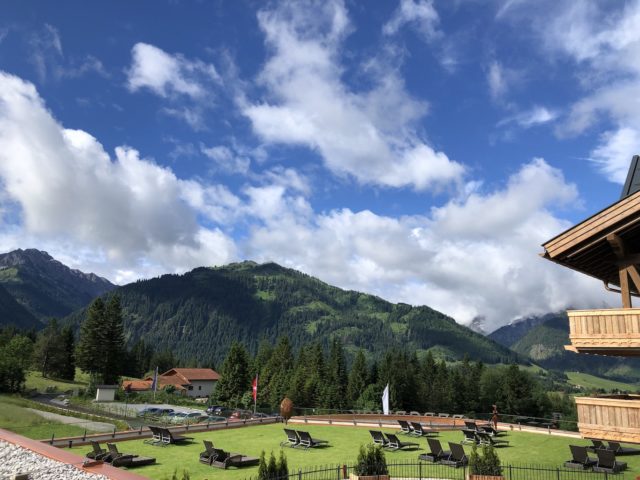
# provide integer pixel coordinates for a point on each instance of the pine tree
(336, 385)
(68, 372)
(49, 352)
(235, 378)
(114, 346)
(90, 349)
(357, 378)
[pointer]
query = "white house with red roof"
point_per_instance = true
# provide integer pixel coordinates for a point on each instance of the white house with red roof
(193, 382)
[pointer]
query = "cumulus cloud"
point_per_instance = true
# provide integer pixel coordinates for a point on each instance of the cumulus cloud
(226, 159)
(442, 258)
(175, 78)
(367, 135)
(420, 14)
(137, 214)
(533, 117)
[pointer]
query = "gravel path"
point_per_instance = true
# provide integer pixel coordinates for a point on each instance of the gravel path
(80, 422)
(16, 459)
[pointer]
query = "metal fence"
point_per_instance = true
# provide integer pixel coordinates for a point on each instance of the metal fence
(431, 471)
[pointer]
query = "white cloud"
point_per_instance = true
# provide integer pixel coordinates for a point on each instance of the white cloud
(497, 80)
(136, 214)
(366, 135)
(227, 160)
(420, 14)
(533, 117)
(614, 152)
(441, 259)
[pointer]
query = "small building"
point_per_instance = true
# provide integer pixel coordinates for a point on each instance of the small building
(106, 393)
(192, 382)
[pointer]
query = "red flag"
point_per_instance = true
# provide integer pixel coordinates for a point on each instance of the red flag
(254, 387)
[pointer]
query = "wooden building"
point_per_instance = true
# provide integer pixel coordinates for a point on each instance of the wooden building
(606, 246)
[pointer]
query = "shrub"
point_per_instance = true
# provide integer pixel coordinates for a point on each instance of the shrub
(371, 461)
(487, 463)
(273, 469)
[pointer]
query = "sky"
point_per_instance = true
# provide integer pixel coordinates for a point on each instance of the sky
(418, 150)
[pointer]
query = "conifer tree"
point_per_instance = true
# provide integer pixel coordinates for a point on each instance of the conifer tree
(68, 370)
(357, 378)
(49, 352)
(90, 346)
(235, 378)
(114, 347)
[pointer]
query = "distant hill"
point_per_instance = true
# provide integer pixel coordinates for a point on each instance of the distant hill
(543, 339)
(197, 315)
(45, 287)
(12, 313)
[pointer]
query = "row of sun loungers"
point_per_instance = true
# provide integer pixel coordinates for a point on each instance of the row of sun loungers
(163, 437)
(484, 427)
(454, 457)
(482, 438)
(116, 458)
(390, 441)
(300, 438)
(605, 463)
(615, 447)
(216, 457)
(415, 428)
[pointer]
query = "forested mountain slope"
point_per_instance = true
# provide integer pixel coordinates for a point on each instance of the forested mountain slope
(197, 315)
(46, 287)
(12, 313)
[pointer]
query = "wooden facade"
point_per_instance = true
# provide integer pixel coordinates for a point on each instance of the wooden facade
(611, 417)
(614, 332)
(606, 246)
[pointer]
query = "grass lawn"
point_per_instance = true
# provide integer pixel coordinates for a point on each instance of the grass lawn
(524, 448)
(35, 381)
(590, 381)
(25, 422)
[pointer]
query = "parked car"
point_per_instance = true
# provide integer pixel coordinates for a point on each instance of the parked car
(149, 411)
(214, 409)
(195, 417)
(165, 411)
(215, 419)
(240, 414)
(178, 417)
(260, 415)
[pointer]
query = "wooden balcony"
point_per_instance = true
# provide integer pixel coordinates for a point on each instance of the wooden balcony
(613, 332)
(611, 417)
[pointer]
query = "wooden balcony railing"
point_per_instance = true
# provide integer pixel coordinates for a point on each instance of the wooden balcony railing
(611, 417)
(605, 332)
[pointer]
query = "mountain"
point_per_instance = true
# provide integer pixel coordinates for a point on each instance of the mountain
(46, 287)
(543, 339)
(12, 313)
(197, 315)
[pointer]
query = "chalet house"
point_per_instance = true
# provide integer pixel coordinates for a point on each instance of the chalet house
(193, 382)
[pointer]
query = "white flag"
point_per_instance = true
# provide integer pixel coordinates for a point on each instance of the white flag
(385, 400)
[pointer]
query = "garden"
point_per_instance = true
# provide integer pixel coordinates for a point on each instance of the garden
(524, 449)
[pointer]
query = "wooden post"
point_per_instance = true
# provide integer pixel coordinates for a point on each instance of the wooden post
(624, 288)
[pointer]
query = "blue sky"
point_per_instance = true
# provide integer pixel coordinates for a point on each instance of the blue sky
(419, 150)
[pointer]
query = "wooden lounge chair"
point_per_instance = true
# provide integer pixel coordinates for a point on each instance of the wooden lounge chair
(206, 456)
(169, 438)
(405, 427)
(421, 431)
(486, 439)
(293, 439)
(307, 441)
(97, 453)
(378, 438)
(436, 454)
(618, 449)
(457, 458)
(607, 462)
(488, 428)
(394, 443)
(128, 460)
(222, 459)
(580, 458)
(471, 425)
(470, 436)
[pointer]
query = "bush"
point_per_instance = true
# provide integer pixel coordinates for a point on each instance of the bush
(371, 461)
(487, 463)
(273, 469)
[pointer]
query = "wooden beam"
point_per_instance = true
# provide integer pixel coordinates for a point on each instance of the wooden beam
(635, 276)
(617, 245)
(624, 288)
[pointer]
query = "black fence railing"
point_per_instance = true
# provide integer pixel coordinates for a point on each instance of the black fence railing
(430, 471)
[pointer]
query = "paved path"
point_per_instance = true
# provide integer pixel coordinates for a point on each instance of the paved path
(80, 422)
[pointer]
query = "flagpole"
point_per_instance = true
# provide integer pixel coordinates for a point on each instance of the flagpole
(255, 393)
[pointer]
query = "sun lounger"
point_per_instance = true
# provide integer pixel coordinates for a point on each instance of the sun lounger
(97, 453)
(128, 460)
(429, 414)
(607, 462)
(222, 459)
(169, 438)
(618, 449)
(405, 427)
(378, 438)
(580, 458)
(486, 439)
(470, 436)
(307, 441)
(597, 445)
(457, 458)
(421, 431)
(394, 442)
(470, 425)
(293, 439)
(156, 436)
(206, 456)
(436, 454)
